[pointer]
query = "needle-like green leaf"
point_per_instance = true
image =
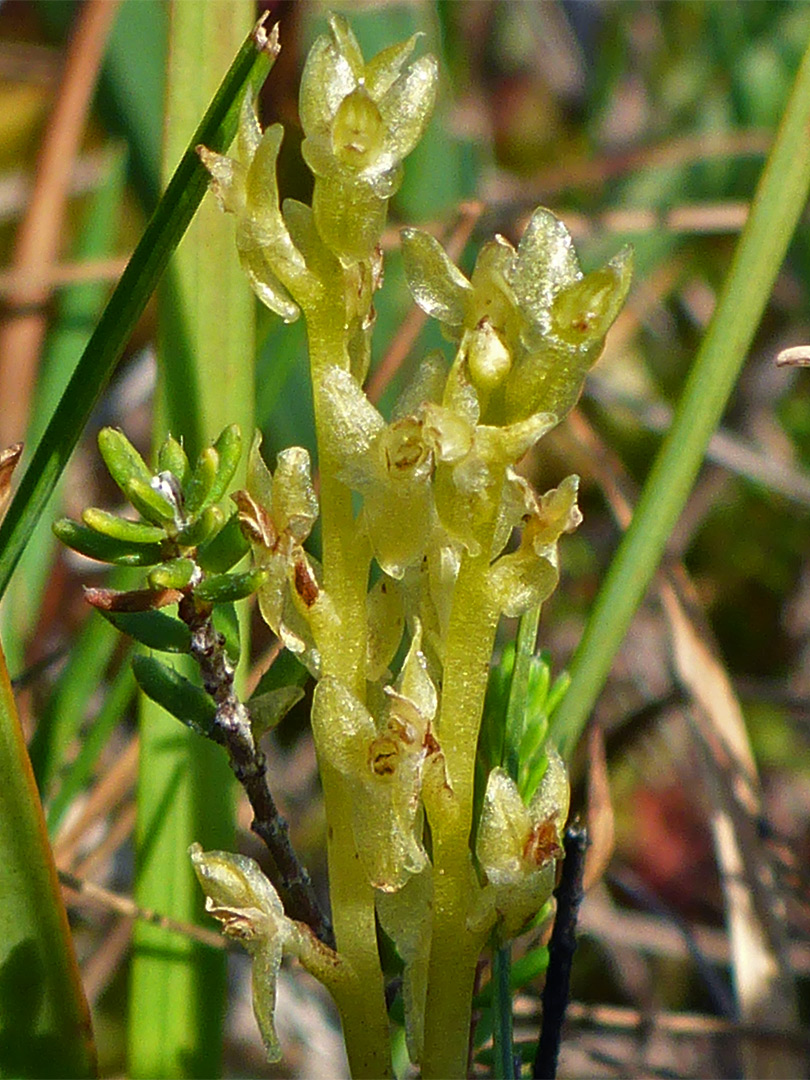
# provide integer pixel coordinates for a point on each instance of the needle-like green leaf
(169, 222)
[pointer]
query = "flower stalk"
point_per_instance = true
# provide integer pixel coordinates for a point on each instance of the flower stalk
(433, 836)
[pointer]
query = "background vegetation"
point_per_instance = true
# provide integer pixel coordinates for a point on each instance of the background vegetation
(645, 122)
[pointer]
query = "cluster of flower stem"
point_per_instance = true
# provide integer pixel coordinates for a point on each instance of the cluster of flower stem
(450, 536)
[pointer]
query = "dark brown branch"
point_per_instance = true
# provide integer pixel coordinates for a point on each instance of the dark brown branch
(569, 894)
(232, 730)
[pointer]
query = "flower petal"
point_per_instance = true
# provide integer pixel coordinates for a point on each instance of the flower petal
(326, 79)
(407, 105)
(546, 263)
(346, 44)
(386, 621)
(351, 424)
(436, 284)
(502, 830)
(249, 134)
(383, 70)
(227, 179)
(295, 505)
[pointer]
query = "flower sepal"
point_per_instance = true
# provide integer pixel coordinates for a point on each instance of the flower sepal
(517, 847)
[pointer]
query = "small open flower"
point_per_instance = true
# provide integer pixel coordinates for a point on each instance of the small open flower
(240, 896)
(247, 187)
(276, 514)
(526, 577)
(384, 762)
(517, 847)
(360, 121)
(473, 486)
(389, 464)
(529, 323)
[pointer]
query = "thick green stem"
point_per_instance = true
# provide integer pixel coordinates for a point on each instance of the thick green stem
(454, 949)
(343, 652)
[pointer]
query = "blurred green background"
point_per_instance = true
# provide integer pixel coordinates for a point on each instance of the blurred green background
(642, 122)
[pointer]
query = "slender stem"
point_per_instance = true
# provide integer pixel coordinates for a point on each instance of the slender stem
(233, 731)
(569, 894)
(502, 1013)
(519, 689)
(454, 949)
(343, 652)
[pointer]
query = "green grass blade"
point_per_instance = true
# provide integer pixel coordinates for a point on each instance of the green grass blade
(502, 1014)
(519, 690)
(780, 198)
(45, 1029)
(206, 355)
(77, 311)
(163, 233)
(81, 768)
(64, 712)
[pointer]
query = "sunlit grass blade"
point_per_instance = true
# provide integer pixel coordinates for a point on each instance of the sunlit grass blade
(77, 310)
(64, 711)
(780, 198)
(45, 1019)
(169, 222)
(80, 770)
(206, 349)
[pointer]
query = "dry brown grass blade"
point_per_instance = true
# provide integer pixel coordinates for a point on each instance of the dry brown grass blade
(601, 824)
(40, 232)
(764, 984)
(113, 788)
(8, 463)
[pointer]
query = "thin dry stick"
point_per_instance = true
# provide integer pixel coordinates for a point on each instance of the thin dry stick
(232, 730)
(38, 238)
(569, 894)
(86, 891)
(13, 282)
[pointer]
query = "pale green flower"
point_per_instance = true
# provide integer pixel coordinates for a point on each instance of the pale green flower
(517, 847)
(524, 578)
(360, 121)
(383, 763)
(240, 896)
(529, 323)
(277, 513)
(246, 186)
